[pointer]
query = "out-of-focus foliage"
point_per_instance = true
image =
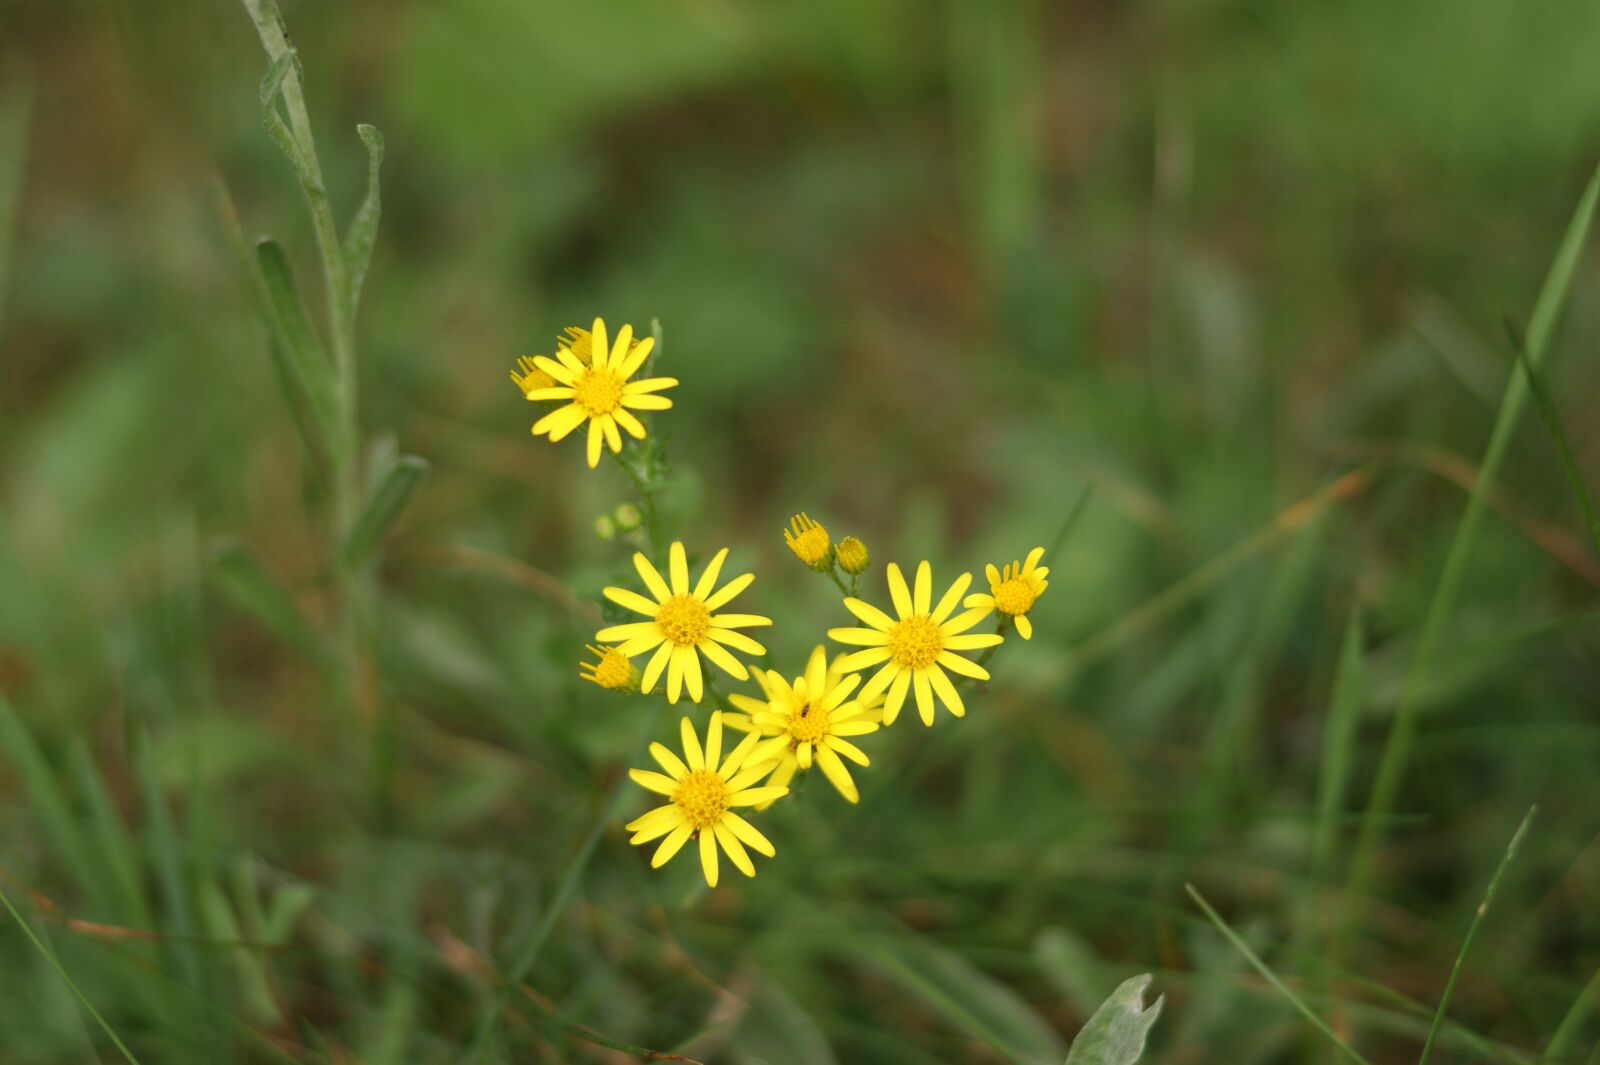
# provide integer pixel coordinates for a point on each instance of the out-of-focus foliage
(926, 271)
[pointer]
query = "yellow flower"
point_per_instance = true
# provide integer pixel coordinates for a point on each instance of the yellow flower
(917, 646)
(612, 671)
(809, 542)
(531, 378)
(702, 795)
(1014, 590)
(683, 622)
(807, 721)
(853, 557)
(600, 391)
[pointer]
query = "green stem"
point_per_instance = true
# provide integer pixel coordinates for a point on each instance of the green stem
(55, 964)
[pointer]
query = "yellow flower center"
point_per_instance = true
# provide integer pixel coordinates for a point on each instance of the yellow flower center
(580, 345)
(613, 670)
(703, 798)
(809, 724)
(599, 391)
(915, 642)
(684, 620)
(1014, 596)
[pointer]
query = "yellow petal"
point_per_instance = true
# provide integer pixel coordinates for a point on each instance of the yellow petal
(633, 601)
(898, 592)
(651, 577)
(924, 692)
(656, 782)
(678, 568)
(951, 598)
(708, 578)
(869, 614)
(727, 592)
(652, 671)
(669, 846)
(668, 761)
(837, 774)
(922, 596)
(735, 849)
(749, 834)
(691, 745)
(708, 856)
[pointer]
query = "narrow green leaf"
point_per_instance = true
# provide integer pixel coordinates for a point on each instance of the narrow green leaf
(363, 232)
(313, 372)
(1558, 437)
(1338, 738)
(45, 794)
(271, 85)
(1547, 308)
(1271, 977)
(55, 964)
(1472, 932)
(247, 583)
(1116, 1033)
(384, 509)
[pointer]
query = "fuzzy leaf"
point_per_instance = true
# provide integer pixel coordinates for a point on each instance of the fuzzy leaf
(1116, 1033)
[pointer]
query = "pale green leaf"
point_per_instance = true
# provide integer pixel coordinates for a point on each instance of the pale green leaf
(1116, 1033)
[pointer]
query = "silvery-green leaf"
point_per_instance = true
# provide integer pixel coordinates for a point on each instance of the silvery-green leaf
(1116, 1033)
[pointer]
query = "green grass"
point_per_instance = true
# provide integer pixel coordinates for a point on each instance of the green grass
(295, 764)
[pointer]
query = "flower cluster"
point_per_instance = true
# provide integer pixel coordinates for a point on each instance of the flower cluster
(918, 648)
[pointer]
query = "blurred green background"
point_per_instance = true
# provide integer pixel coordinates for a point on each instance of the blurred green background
(927, 271)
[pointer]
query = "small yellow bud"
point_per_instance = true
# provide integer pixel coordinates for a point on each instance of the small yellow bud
(612, 671)
(531, 377)
(809, 542)
(604, 527)
(853, 558)
(628, 517)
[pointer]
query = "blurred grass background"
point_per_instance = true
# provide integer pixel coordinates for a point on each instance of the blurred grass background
(926, 271)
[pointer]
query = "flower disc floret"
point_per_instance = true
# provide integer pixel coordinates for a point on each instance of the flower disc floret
(684, 620)
(703, 798)
(599, 391)
(915, 643)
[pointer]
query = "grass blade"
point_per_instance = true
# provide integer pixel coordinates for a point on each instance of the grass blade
(1271, 977)
(1558, 437)
(1472, 932)
(55, 964)
(384, 509)
(1397, 748)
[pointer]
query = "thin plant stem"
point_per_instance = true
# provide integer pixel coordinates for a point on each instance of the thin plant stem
(1472, 932)
(55, 964)
(1271, 977)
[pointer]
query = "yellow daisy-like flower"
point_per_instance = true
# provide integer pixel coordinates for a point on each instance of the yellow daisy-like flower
(806, 723)
(917, 646)
(600, 391)
(683, 621)
(1014, 590)
(702, 795)
(612, 671)
(809, 542)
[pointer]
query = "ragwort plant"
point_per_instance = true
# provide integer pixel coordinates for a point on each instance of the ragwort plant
(788, 727)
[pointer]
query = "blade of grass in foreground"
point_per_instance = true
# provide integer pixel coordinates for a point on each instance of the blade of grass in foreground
(1402, 731)
(1472, 932)
(55, 964)
(1272, 977)
(1558, 436)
